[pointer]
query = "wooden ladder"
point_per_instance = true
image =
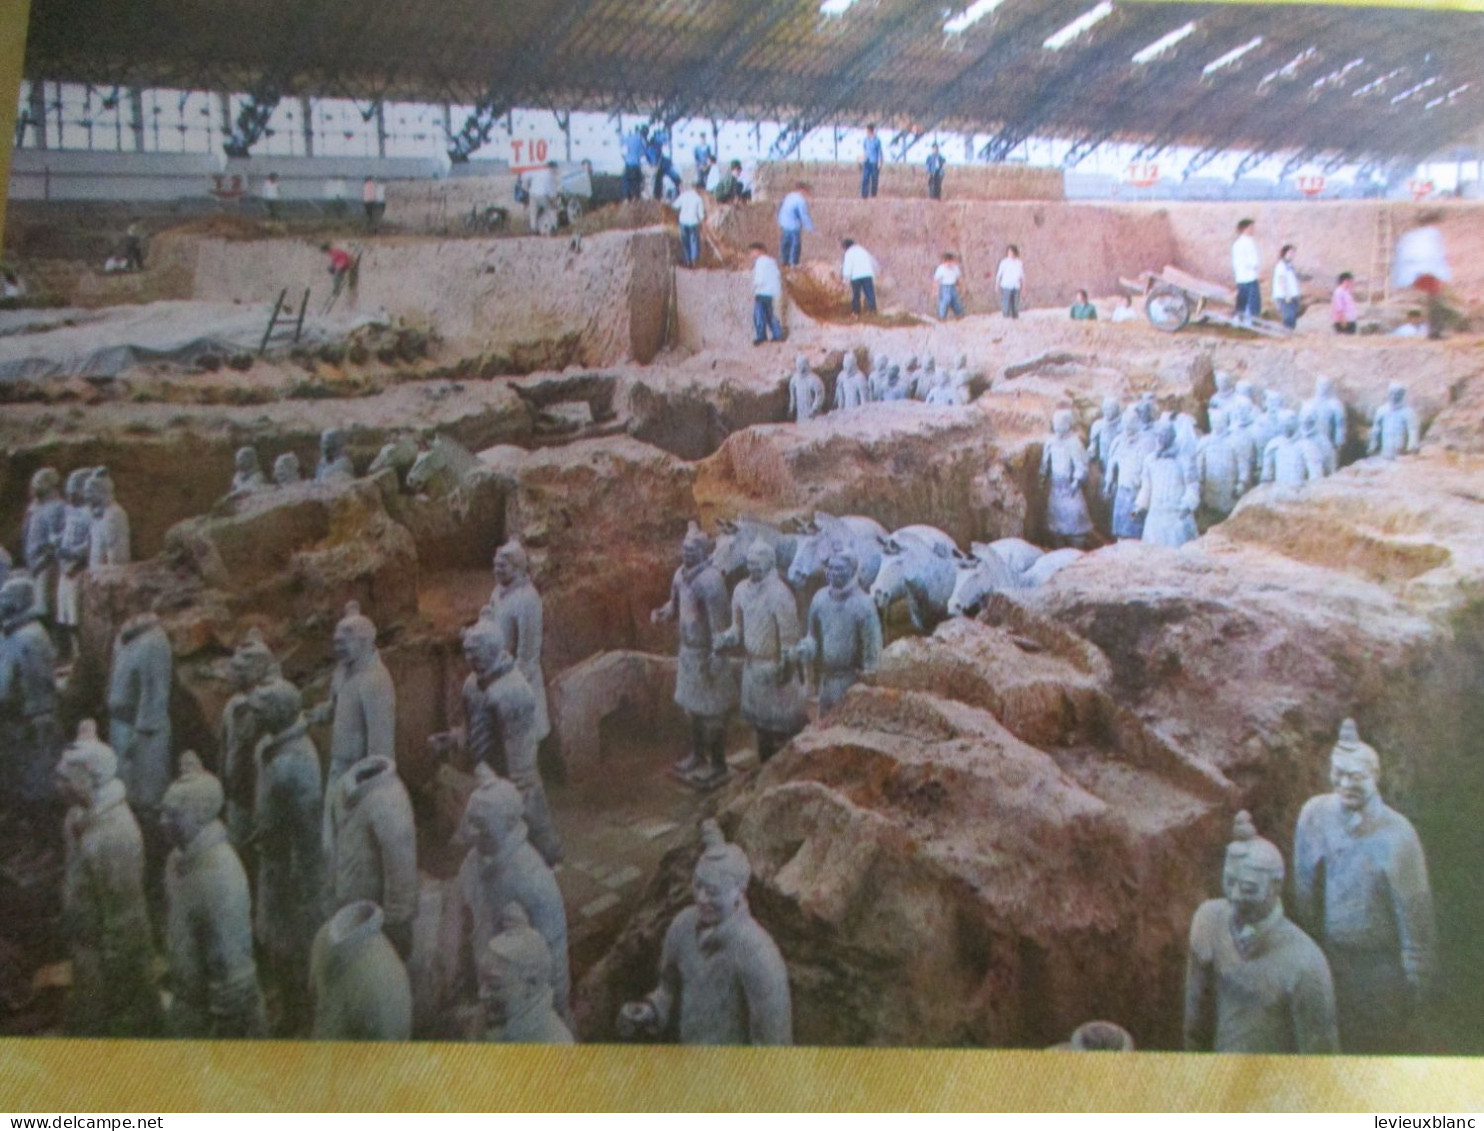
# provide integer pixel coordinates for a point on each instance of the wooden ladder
(1381, 251)
(282, 312)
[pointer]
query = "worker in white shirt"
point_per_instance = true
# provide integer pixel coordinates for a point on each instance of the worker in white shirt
(541, 210)
(271, 196)
(1246, 269)
(947, 277)
(691, 211)
(859, 270)
(1286, 287)
(1010, 278)
(767, 285)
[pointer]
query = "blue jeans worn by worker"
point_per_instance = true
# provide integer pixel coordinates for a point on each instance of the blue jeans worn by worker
(870, 178)
(863, 288)
(1010, 302)
(1289, 308)
(690, 244)
(1249, 299)
(948, 300)
(935, 186)
(633, 182)
(790, 243)
(764, 321)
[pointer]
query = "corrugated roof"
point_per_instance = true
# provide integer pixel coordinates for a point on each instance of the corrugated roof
(784, 59)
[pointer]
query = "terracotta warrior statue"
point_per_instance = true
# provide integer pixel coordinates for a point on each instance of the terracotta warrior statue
(1329, 410)
(247, 475)
(335, 465)
(805, 392)
(500, 728)
(360, 987)
(896, 387)
(515, 607)
(1224, 398)
(1254, 982)
(515, 985)
(1361, 889)
(212, 978)
(1270, 424)
(1286, 461)
(705, 684)
(1063, 471)
(362, 708)
(722, 980)
(1318, 450)
(252, 666)
(1168, 497)
(1221, 471)
(73, 550)
(852, 390)
(944, 391)
(1244, 438)
(103, 910)
(286, 839)
(961, 375)
(46, 516)
(843, 632)
(108, 533)
(502, 868)
(877, 381)
(765, 622)
(139, 710)
(30, 735)
(1124, 473)
(1394, 427)
(373, 848)
(1103, 432)
(286, 470)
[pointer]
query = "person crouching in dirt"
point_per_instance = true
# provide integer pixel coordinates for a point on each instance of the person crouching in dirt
(340, 264)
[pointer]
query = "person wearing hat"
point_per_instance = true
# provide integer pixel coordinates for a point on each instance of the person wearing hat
(30, 737)
(722, 979)
(373, 847)
(501, 868)
(212, 978)
(362, 708)
(287, 840)
(1254, 982)
(108, 534)
(46, 514)
(515, 607)
(252, 665)
(500, 725)
(1360, 888)
(139, 710)
(360, 987)
(515, 985)
(103, 909)
(843, 632)
(705, 684)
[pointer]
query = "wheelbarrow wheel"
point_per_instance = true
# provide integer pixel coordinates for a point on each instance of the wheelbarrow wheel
(1168, 310)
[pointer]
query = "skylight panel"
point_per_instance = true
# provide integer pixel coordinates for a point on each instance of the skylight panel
(1232, 56)
(1080, 26)
(1164, 43)
(836, 7)
(971, 16)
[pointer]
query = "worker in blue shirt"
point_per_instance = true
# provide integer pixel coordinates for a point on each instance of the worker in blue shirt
(633, 160)
(704, 160)
(659, 140)
(870, 162)
(793, 221)
(935, 166)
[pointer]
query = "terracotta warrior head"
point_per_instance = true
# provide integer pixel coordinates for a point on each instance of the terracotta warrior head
(86, 766)
(1253, 876)
(193, 801)
(355, 635)
(515, 969)
(1354, 769)
(719, 884)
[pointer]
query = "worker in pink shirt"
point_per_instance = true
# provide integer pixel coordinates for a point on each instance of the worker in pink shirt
(1342, 307)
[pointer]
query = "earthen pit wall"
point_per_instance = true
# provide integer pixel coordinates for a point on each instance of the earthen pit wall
(960, 182)
(1066, 247)
(480, 294)
(1330, 237)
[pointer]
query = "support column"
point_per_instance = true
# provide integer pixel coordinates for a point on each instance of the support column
(306, 112)
(381, 129)
(136, 117)
(36, 110)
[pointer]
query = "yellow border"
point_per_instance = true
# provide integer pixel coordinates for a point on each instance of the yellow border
(60, 1076)
(52, 1076)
